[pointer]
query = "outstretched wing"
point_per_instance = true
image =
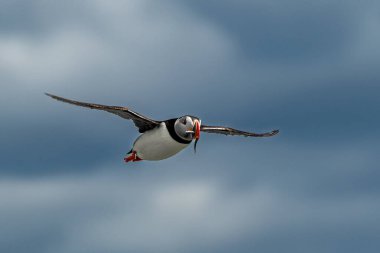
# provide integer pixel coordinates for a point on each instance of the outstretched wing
(231, 131)
(142, 123)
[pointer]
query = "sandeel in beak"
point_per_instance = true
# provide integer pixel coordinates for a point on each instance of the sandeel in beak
(197, 130)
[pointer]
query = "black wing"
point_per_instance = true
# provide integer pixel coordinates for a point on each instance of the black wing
(231, 131)
(142, 123)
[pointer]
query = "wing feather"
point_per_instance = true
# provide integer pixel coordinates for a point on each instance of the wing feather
(141, 122)
(232, 131)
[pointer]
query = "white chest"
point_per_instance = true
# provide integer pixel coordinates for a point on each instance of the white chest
(157, 144)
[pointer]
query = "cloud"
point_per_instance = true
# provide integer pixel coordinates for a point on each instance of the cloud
(309, 69)
(123, 215)
(165, 60)
(125, 43)
(116, 213)
(363, 47)
(35, 63)
(109, 51)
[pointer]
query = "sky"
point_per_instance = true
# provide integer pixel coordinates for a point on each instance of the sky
(308, 68)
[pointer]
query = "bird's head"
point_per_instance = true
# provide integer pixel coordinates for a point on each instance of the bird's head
(188, 128)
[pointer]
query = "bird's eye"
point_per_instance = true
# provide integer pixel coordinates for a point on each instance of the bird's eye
(184, 121)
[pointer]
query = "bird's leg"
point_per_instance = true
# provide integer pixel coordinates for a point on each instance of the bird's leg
(132, 157)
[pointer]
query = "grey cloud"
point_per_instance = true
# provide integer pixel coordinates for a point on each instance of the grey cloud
(123, 64)
(39, 18)
(287, 32)
(171, 215)
(312, 188)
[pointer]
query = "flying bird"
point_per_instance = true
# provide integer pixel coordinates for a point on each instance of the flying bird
(162, 139)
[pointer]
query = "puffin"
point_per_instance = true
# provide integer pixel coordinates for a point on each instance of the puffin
(162, 139)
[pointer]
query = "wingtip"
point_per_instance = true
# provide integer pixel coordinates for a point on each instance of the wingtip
(274, 132)
(52, 96)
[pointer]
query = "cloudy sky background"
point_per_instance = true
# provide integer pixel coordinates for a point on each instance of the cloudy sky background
(308, 68)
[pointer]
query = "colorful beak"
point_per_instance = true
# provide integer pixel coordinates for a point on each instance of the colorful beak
(197, 130)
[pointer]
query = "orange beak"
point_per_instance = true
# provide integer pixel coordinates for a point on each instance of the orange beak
(197, 129)
(197, 133)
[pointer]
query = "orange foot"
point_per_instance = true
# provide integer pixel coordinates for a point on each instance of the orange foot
(132, 157)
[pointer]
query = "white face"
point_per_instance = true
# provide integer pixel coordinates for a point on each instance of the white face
(184, 127)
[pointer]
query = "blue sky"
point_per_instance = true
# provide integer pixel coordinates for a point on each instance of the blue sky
(310, 69)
